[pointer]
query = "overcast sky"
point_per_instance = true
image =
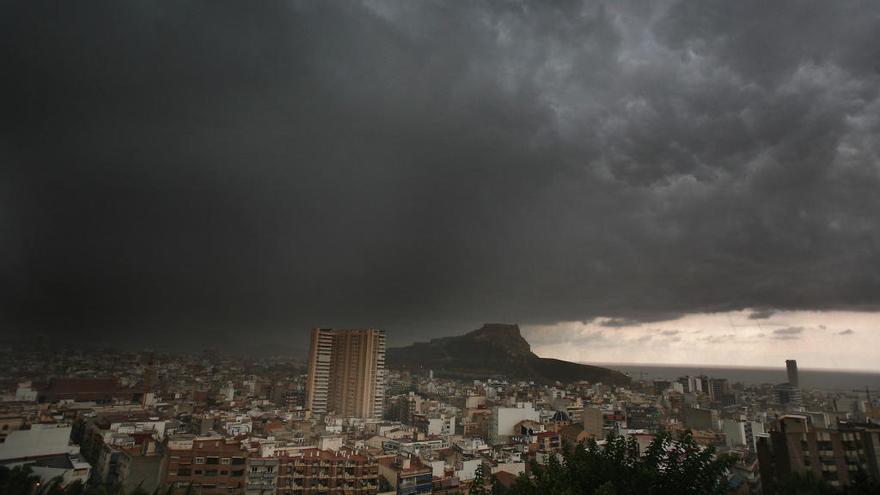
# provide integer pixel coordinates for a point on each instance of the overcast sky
(190, 171)
(826, 340)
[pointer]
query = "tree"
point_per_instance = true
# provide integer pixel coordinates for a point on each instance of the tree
(683, 467)
(478, 485)
(75, 488)
(669, 467)
(19, 480)
(607, 488)
(53, 487)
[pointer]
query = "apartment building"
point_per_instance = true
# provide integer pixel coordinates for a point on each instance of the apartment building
(311, 470)
(346, 372)
(794, 445)
(211, 465)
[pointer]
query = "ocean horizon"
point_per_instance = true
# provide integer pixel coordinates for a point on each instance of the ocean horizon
(825, 379)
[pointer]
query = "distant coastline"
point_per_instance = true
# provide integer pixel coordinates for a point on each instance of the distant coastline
(825, 379)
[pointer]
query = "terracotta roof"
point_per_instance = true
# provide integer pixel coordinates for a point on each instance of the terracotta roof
(80, 388)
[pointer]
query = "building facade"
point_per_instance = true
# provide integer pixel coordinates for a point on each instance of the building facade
(505, 418)
(792, 371)
(312, 470)
(346, 372)
(795, 446)
(407, 475)
(207, 465)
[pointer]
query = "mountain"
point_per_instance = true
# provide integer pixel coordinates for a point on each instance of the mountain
(494, 350)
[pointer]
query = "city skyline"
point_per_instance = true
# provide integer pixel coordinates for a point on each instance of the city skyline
(439, 247)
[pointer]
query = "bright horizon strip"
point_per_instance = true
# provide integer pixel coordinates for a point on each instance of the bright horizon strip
(829, 340)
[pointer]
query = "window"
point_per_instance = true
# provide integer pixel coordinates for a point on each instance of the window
(211, 472)
(237, 473)
(237, 460)
(184, 471)
(212, 460)
(200, 460)
(224, 460)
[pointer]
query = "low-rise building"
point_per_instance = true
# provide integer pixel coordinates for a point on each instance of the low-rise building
(46, 449)
(211, 465)
(406, 475)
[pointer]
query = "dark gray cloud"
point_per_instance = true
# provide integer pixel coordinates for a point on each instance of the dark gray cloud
(788, 333)
(848, 331)
(762, 314)
(620, 322)
(195, 169)
(719, 339)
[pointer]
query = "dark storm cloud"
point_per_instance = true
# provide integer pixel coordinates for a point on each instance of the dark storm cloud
(188, 167)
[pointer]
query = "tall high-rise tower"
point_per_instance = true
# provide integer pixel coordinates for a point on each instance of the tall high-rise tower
(346, 372)
(318, 384)
(791, 368)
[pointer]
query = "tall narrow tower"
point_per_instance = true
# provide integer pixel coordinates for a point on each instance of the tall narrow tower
(346, 372)
(791, 368)
(149, 377)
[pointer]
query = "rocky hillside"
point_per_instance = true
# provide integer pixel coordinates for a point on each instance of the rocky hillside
(494, 350)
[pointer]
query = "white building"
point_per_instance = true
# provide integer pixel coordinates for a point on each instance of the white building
(25, 392)
(741, 433)
(47, 450)
(238, 425)
(228, 392)
(505, 418)
(465, 470)
(475, 401)
(437, 425)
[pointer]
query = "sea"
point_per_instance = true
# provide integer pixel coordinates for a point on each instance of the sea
(822, 379)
